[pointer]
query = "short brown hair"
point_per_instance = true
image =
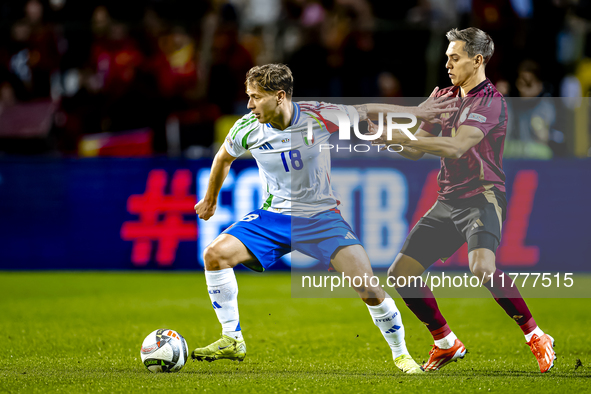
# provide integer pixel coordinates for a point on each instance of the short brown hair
(477, 42)
(271, 78)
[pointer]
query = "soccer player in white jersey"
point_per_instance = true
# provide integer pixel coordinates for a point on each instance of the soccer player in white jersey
(299, 210)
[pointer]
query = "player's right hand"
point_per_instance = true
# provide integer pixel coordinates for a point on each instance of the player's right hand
(205, 209)
(433, 107)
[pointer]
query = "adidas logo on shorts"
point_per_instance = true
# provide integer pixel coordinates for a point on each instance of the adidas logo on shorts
(350, 236)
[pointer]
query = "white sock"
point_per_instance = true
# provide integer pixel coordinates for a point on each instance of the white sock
(223, 292)
(446, 342)
(536, 331)
(387, 317)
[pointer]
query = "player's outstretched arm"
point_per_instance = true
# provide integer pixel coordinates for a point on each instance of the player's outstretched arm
(448, 147)
(219, 171)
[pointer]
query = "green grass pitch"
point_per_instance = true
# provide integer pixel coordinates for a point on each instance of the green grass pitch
(82, 332)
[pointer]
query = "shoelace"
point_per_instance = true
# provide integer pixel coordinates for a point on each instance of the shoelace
(535, 345)
(432, 351)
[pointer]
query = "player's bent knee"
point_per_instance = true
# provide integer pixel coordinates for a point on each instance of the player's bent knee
(482, 263)
(211, 258)
(214, 258)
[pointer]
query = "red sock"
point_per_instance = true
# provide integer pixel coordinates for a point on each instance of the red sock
(441, 333)
(529, 326)
(421, 301)
(509, 298)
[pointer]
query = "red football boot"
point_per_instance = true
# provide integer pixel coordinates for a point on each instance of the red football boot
(439, 358)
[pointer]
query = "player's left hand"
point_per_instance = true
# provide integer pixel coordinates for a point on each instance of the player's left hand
(430, 109)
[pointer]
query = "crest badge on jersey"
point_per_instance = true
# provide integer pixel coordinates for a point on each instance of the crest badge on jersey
(464, 114)
(307, 141)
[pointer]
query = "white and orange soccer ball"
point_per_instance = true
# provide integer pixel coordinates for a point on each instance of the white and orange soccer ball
(164, 350)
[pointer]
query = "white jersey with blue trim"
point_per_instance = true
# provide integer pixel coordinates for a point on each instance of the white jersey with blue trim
(294, 171)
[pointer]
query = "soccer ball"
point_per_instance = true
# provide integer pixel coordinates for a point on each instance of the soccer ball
(164, 351)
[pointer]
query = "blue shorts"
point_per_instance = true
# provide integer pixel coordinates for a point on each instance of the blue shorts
(270, 235)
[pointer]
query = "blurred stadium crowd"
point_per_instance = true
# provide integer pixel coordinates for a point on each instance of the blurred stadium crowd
(163, 73)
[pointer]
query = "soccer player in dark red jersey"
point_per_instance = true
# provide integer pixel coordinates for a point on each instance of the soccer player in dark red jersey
(471, 205)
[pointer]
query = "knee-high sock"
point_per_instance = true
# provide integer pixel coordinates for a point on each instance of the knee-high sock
(223, 292)
(509, 298)
(421, 301)
(387, 317)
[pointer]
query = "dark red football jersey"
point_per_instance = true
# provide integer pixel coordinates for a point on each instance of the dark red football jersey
(482, 165)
